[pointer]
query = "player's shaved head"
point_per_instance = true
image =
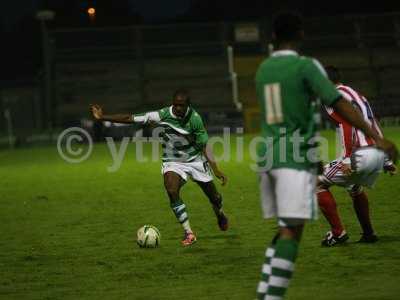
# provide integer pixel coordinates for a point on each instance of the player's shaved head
(183, 94)
(333, 74)
(288, 27)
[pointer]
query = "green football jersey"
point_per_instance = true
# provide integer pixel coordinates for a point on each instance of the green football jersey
(289, 88)
(183, 139)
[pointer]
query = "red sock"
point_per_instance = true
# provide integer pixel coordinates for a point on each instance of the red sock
(361, 206)
(327, 204)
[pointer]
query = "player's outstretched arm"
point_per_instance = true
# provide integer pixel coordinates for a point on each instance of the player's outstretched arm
(350, 114)
(213, 164)
(98, 114)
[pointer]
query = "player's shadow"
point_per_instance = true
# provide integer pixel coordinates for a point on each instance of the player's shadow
(388, 239)
(221, 237)
(382, 239)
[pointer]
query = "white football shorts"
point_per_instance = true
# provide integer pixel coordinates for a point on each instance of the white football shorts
(197, 170)
(366, 162)
(288, 194)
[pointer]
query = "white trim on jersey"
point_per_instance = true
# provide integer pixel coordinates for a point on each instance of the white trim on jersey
(171, 112)
(180, 130)
(175, 116)
(320, 67)
(284, 53)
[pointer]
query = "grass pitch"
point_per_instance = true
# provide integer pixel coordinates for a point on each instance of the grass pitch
(68, 232)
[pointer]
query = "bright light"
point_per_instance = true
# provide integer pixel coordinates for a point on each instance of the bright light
(91, 11)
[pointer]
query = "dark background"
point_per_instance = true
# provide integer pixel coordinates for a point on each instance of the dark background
(20, 32)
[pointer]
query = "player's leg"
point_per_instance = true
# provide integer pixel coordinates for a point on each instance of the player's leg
(361, 207)
(268, 201)
(201, 173)
(327, 204)
(367, 163)
(293, 206)
(173, 183)
(215, 199)
(280, 259)
(332, 175)
(328, 207)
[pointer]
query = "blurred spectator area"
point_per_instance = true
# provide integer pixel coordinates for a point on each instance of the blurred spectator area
(366, 49)
(135, 69)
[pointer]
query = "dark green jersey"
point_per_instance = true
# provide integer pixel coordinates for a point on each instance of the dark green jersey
(288, 86)
(183, 139)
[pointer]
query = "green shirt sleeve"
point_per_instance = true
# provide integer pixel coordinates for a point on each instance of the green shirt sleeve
(199, 132)
(317, 79)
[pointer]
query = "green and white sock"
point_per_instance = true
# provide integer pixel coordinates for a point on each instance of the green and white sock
(265, 273)
(179, 209)
(282, 266)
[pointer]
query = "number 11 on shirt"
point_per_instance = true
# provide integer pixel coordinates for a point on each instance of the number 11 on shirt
(273, 103)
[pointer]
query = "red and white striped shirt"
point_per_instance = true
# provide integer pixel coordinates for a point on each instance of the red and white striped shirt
(352, 137)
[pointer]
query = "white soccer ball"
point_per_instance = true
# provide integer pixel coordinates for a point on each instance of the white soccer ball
(148, 236)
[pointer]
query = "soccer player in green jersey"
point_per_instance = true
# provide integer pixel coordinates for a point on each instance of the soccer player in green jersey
(287, 88)
(185, 155)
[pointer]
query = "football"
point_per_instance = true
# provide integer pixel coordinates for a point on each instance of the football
(148, 236)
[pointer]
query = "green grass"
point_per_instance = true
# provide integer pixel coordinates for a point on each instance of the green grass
(68, 232)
